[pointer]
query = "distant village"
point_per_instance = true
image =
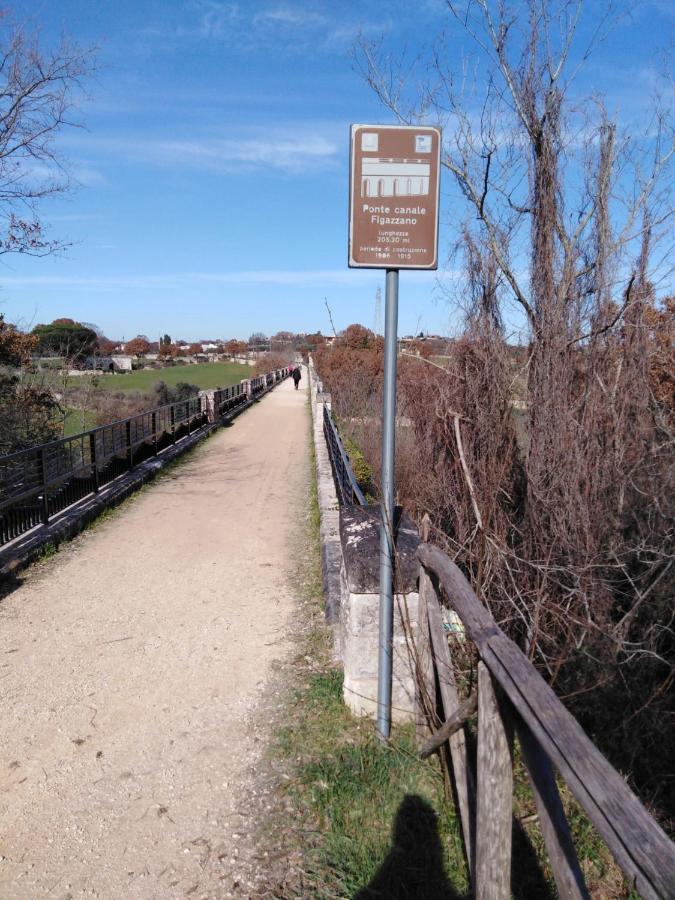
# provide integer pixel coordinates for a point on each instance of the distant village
(82, 348)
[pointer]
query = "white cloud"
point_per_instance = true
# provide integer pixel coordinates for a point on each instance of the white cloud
(319, 277)
(87, 175)
(295, 26)
(289, 151)
(289, 16)
(216, 19)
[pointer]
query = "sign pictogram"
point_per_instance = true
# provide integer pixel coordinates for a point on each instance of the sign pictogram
(393, 196)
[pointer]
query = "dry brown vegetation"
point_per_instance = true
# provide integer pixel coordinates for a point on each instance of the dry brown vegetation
(546, 469)
(268, 362)
(560, 521)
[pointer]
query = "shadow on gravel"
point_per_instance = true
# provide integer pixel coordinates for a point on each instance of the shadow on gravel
(413, 868)
(9, 584)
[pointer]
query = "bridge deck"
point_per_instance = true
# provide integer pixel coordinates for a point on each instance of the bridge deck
(130, 665)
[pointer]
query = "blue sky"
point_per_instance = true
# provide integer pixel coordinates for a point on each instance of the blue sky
(213, 171)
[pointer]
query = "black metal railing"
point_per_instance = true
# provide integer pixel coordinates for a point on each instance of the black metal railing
(348, 490)
(227, 399)
(38, 483)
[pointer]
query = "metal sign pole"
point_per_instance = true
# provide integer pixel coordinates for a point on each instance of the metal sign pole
(387, 542)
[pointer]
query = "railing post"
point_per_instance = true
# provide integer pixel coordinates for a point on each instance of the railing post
(494, 815)
(562, 855)
(130, 451)
(153, 420)
(187, 413)
(172, 409)
(464, 780)
(94, 463)
(45, 489)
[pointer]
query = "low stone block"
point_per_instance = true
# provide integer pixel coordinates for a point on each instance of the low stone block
(360, 645)
(360, 538)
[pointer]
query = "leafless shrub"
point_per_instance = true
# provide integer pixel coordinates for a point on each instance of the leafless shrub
(268, 362)
(548, 471)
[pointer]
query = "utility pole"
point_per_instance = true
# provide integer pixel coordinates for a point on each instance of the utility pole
(387, 532)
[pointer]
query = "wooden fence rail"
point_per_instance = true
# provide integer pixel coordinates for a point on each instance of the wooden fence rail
(514, 699)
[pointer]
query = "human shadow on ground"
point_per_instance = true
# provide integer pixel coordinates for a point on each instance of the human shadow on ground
(528, 881)
(413, 869)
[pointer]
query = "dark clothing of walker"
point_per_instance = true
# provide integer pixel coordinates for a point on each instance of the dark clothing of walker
(296, 376)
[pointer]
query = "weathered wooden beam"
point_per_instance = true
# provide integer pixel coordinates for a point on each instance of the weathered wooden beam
(494, 816)
(638, 844)
(464, 782)
(567, 872)
(425, 683)
(451, 725)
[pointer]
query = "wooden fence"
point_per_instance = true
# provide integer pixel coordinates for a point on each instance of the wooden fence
(512, 697)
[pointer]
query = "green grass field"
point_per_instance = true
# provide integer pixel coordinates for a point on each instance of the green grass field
(204, 375)
(74, 423)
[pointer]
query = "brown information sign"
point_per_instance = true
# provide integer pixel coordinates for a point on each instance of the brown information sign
(393, 197)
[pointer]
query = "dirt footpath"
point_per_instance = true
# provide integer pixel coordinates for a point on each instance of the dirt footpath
(131, 666)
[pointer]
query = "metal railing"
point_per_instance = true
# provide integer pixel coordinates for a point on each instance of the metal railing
(512, 696)
(38, 483)
(227, 399)
(348, 490)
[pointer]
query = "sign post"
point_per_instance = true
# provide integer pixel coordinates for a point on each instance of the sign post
(393, 224)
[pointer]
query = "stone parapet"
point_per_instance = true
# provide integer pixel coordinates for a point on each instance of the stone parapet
(350, 559)
(360, 610)
(360, 645)
(360, 539)
(331, 551)
(209, 402)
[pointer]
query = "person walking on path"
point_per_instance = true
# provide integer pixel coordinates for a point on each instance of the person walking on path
(297, 375)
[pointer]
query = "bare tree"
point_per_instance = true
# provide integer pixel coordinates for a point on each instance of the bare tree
(39, 92)
(536, 167)
(566, 533)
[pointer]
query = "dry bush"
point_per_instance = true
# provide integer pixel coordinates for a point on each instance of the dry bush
(352, 371)
(110, 407)
(565, 534)
(268, 362)
(558, 517)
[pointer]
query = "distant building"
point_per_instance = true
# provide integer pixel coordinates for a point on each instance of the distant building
(109, 363)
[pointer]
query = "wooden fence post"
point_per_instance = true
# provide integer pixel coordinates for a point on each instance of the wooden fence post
(567, 872)
(464, 781)
(425, 682)
(494, 818)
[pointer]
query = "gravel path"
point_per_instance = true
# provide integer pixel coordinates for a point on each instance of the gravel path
(132, 667)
